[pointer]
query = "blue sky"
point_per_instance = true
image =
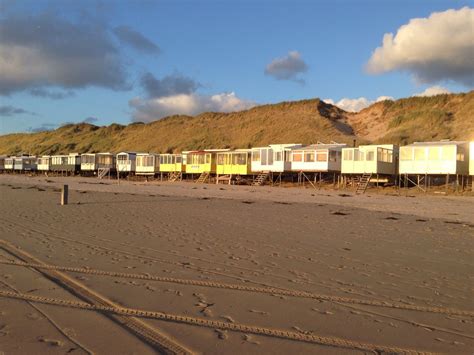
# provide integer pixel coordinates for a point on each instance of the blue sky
(216, 55)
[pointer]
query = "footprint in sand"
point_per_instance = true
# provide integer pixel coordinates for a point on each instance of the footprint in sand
(203, 304)
(249, 339)
(33, 316)
(4, 330)
(263, 313)
(51, 342)
(221, 334)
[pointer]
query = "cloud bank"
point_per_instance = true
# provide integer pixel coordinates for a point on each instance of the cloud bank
(9, 111)
(136, 40)
(433, 49)
(169, 85)
(39, 52)
(147, 110)
(287, 68)
(433, 91)
(355, 105)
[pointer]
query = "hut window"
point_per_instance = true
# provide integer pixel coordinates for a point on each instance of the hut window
(384, 155)
(448, 152)
(297, 156)
(270, 156)
(358, 155)
(347, 154)
(406, 154)
(420, 154)
(208, 158)
(256, 155)
(179, 159)
(322, 156)
(370, 156)
(433, 153)
(309, 157)
(278, 156)
(264, 156)
(220, 159)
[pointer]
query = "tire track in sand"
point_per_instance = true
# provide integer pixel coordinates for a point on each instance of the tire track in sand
(152, 336)
(264, 290)
(243, 328)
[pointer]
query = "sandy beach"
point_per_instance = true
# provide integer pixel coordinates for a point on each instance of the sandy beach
(232, 269)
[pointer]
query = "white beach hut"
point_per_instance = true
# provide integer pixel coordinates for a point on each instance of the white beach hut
(88, 162)
(44, 163)
(435, 158)
(147, 164)
(126, 162)
(274, 158)
(9, 163)
(317, 158)
(378, 159)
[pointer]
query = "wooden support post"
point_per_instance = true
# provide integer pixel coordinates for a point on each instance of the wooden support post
(64, 195)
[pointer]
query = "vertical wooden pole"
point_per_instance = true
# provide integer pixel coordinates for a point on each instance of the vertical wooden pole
(64, 195)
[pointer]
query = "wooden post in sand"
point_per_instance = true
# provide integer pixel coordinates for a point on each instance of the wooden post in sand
(64, 195)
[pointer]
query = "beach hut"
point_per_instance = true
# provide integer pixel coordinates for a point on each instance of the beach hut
(172, 165)
(233, 164)
(88, 162)
(97, 162)
(369, 163)
(9, 163)
(44, 163)
(273, 158)
(147, 164)
(435, 158)
(422, 160)
(68, 164)
(317, 158)
(202, 162)
(126, 162)
(24, 163)
(379, 159)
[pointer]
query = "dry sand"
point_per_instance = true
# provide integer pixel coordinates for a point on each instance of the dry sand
(393, 251)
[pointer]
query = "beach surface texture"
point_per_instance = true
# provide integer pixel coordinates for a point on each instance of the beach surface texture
(147, 267)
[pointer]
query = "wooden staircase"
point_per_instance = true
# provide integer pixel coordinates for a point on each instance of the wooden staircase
(261, 178)
(363, 183)
(102, 172)
(175, 176)
(203, 177)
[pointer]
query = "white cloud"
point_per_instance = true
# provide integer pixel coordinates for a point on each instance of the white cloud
(355, 105)
(433, 49)
(287, 67)
(384, 98)
(147, 110)
(433, 91)
(43, 51)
